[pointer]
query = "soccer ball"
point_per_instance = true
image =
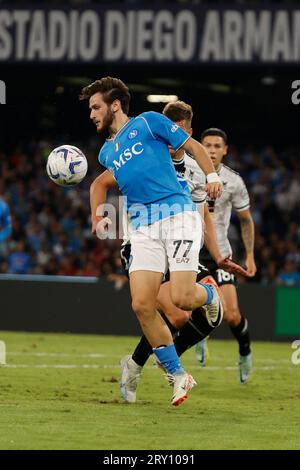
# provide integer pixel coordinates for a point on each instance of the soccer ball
(66, 165)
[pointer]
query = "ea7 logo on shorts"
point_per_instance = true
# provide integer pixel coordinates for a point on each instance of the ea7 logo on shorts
(2, 92)
(132, 134)
(182, 260)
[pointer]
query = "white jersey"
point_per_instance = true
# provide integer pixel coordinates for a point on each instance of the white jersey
(235, 196)
(188, 169)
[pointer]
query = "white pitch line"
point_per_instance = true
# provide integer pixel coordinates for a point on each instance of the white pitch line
(54, 366)
(98, 355)
(45, 354)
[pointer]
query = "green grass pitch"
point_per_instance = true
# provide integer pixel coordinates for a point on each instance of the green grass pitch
(61, 391)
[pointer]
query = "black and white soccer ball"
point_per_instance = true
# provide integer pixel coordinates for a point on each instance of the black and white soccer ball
(67, 165)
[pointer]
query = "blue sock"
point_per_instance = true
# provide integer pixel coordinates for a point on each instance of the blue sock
(210, 292)
(169, 359)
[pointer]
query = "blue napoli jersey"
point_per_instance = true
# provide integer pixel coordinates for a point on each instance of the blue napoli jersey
(139, 159)
(5, 221)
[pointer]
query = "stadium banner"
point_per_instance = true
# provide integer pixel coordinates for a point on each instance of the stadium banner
(170, 34)
(95, 306)
(287, 311)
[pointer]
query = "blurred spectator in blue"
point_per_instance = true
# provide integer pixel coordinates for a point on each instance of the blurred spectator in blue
(19, 260)
(5, 221)
(289, 276)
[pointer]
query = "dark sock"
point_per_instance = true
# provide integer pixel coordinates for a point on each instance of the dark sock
(195, 330)
(142, 352)
(144, 349)
(241, 333)
(172, 328)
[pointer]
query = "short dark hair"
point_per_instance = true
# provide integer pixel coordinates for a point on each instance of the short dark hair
(179, 111)
(111, 88)
(215, 131)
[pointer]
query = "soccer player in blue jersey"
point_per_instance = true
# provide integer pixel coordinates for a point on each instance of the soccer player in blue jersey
(5, 221)
(166, 227)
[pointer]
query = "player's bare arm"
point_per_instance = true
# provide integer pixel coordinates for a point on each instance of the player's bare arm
(210, 238)
(98, 192)
(211, 243)
(247, 231)
(214, 185)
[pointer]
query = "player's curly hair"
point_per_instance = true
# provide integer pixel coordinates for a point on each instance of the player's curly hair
(111, 88)
(179, 111)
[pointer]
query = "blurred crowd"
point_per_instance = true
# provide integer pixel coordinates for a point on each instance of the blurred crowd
(273, 182)
(51, 225)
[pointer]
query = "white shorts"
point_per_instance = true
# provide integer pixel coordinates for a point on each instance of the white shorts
(172, 243)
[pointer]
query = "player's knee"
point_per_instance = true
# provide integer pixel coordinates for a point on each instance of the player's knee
(141, 307)
(232, 316)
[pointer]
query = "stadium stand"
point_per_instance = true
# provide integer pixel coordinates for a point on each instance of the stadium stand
(51, 226)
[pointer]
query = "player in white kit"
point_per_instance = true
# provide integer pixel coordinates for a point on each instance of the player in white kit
(235, 197)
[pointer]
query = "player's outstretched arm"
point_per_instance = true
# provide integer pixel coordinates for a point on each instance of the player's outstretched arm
(214, 185)
(98, 192)
(247, 232)
(210, 237)
(211, 243)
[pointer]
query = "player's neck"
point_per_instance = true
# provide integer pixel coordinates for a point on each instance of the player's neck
(118, 122)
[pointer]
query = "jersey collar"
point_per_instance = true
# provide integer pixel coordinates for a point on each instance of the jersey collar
(111, 139)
